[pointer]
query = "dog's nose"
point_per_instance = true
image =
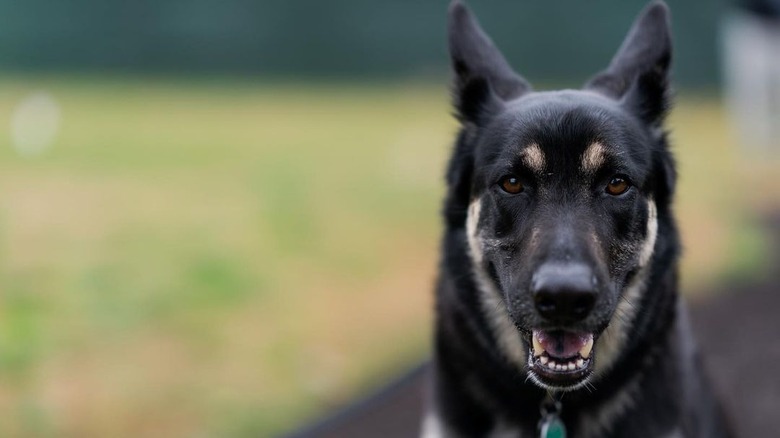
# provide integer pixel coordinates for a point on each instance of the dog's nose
(564, 292)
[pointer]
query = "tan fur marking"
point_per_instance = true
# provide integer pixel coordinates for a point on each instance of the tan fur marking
(534, 240)
(432, 426)
(600, 424)
(475, 242)
(593, 157)
(533, 157)
(490, 297)
(614, 337)
(652, 233)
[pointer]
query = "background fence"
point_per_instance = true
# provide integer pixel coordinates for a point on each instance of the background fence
(552, 43)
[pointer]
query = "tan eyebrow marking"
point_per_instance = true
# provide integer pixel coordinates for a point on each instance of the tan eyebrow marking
(533, 157)
(593, 157)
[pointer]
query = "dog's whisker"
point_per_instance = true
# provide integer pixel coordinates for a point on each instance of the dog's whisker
(629, 302)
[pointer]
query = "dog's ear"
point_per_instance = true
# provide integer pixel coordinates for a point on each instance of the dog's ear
(639, 73)
(483, 78)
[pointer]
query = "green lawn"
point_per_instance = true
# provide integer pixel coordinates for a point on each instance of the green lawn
(214, 259)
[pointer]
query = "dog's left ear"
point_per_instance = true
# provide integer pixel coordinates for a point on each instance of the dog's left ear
(638, 75)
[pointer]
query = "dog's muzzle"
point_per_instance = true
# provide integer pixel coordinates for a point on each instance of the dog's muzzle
(564, 296)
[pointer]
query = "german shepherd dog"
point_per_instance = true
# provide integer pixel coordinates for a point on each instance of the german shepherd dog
(557, 308)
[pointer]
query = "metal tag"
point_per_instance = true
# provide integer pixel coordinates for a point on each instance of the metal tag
(551, 425)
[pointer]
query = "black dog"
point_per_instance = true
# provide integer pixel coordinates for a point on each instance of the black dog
(557, 304)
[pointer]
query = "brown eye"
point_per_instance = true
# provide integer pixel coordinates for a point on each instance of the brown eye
(511, 185)
(617, 186)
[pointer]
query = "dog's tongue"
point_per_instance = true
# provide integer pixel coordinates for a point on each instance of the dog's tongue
(561, 344)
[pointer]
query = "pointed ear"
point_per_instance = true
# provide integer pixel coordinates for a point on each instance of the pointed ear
(483, 78)
(639, 73)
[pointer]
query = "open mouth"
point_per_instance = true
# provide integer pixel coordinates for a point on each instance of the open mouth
(561, 359)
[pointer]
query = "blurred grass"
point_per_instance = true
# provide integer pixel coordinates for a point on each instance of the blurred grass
(197, 259)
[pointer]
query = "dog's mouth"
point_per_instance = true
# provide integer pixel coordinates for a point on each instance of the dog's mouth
(561, 359)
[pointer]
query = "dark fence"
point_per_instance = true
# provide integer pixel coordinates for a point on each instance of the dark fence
(549, 41)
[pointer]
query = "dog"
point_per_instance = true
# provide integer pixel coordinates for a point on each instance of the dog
(557, 306)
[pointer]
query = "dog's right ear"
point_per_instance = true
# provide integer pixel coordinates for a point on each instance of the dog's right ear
(483, 78)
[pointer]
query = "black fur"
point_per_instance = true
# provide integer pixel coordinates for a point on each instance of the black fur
(564, 216)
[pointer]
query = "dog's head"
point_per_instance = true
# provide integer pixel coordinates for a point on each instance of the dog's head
(559, 196)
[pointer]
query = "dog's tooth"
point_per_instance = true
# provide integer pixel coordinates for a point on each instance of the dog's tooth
(586, 349)
(571, 366)
(544, 359)
(538, 349)
(559, 367)
(551, 365)
(580, 363)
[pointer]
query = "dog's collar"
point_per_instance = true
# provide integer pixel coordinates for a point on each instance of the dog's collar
(551, 425)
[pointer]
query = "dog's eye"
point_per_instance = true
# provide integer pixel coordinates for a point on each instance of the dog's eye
(512, 185)
(617, 186)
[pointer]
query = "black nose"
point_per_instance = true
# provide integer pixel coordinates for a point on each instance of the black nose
(564, 292)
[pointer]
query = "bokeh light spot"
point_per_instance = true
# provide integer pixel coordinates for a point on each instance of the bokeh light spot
(35, 122)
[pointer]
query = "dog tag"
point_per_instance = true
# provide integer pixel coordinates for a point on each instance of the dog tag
(552, 427)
